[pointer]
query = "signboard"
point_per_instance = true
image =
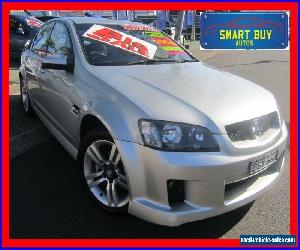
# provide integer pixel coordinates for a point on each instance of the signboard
(244, 30)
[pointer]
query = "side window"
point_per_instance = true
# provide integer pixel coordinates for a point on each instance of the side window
(59, 41)
(40, 42)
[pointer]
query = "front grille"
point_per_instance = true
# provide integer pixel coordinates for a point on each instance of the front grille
(242, 131)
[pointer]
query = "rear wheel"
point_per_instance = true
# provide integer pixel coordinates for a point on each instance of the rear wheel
(103, 172)
(25, 99)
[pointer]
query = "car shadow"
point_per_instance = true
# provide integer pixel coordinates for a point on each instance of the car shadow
(19, 122)
(25, 132)
(214, 227)
(14, 63)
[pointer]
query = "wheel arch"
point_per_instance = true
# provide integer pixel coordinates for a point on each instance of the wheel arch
(20, 75)
(90, 122)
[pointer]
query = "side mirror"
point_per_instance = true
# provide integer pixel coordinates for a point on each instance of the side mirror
(59, 63)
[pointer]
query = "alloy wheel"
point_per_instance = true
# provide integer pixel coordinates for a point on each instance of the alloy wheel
(104, 174)
(25, 96)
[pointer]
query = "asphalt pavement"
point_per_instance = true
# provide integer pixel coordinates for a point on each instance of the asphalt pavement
(47, 201)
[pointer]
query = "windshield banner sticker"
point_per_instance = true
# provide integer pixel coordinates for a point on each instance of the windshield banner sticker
(175, 52)
(121, 40)
(33, 23)
(139, 27)
(165, 43)
(154, 34)
(171, 48)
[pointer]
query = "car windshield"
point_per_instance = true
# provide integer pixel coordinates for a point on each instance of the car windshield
(128, 44)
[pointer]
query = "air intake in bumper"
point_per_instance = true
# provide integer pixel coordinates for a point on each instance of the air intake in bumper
(175, 191)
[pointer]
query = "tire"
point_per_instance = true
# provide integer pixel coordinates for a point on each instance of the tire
(103, 177)
(25, 98)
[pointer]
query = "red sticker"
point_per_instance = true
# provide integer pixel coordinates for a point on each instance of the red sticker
(175, 52)
(164, 41)
(121, 40)
(33, 23)
(139, 27)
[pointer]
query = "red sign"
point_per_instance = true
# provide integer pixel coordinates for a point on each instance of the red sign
(121, 40)
(139, 27)
(164, 41)
(33, 23)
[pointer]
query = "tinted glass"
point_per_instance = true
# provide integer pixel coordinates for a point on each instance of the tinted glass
(13, 25)
(41, 40)
(127, 44)
(59, 41)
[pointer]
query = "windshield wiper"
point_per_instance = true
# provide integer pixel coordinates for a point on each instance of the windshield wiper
(184, 61)
(148, 61)
(154, 61)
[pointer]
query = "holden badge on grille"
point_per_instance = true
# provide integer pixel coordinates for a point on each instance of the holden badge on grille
(256, 128)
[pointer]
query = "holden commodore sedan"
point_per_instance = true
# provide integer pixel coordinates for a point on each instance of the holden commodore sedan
(155, 132)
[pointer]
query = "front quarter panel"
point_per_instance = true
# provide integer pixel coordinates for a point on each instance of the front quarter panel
(96, 97)
(119, 115)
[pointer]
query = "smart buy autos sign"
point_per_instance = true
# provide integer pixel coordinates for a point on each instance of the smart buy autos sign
(244, 30)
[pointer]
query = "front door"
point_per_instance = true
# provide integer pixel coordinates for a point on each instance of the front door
(57, 90)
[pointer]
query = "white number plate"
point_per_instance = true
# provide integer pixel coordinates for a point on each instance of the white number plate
(262, 163)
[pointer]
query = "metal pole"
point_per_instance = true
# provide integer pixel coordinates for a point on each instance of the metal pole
(179, 25)
(193, 37)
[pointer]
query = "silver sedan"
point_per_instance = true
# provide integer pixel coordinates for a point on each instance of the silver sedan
(154, 131)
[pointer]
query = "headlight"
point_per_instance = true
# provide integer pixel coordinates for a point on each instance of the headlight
(174, 136)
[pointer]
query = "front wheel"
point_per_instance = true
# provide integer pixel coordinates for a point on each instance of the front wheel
(103, 172)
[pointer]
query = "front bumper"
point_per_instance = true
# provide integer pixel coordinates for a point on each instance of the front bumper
(214, 183)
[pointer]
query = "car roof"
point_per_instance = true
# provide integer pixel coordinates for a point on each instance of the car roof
(82, 20)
